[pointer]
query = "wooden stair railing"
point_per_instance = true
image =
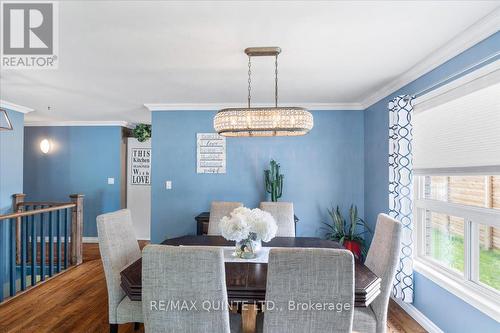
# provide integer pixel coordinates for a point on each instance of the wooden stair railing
(31, 228)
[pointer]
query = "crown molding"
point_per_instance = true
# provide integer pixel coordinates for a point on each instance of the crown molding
(79, 123)
(467, 38)
(218, 106)
(14, 107)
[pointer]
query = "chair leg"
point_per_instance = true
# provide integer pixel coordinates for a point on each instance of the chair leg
(136, 326)
(113, 328)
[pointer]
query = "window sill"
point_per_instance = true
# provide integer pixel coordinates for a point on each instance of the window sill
(477, 296)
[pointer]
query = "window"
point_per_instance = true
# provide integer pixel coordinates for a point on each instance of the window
(456, 158)
(457, 221)
(445, 239)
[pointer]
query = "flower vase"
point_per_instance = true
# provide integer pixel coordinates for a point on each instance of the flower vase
(248, 248)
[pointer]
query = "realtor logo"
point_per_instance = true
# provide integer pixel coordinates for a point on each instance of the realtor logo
(29, 35)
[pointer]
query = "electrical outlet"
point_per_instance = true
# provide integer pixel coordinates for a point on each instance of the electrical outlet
(111, 181)
(168, 184)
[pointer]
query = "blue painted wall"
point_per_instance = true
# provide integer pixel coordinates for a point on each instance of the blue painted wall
(322, 168)
(430, 299)
(82, 159)
(11, 180)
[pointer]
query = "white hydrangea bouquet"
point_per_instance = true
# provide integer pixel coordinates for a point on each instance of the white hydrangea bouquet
(248, 227)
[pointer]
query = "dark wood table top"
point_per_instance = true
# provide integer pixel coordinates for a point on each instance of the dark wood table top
(247, 281)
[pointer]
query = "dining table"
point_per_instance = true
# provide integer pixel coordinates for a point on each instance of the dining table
(245, 280)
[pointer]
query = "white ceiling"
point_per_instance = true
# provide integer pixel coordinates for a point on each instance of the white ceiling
(115, 56)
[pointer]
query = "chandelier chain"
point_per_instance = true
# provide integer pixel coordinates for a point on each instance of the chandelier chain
(265, 120)
(249, 80)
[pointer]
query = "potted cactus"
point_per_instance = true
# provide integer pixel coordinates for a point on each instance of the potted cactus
(274, 181)
(346, 233)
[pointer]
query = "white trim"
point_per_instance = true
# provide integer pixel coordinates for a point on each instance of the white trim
(480, 215)
(469, 37)
(90, 240)
(468, 291)
(14, 107)
(419, 317)
(461, 81)
(96, 240)
(218, 106)
(459, 171)
(78, 123)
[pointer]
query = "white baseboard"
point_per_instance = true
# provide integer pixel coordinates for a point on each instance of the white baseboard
(418, 316)
(96, 240)
(90, 240)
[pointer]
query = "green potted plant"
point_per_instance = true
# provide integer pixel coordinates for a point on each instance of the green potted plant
(346, 232)
(142, 132)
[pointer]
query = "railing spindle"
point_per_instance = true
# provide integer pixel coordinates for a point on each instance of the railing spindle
(51, 247)
(12, 257)
(33, 249)
(58, 241)
(66, 212)
(24, 244)
(42, 247)
(27, 236)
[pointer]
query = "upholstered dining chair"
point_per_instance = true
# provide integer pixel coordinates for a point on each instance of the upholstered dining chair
(190, 274)
(382, 259)
(303, 276)
(119, 248)
(218, 210)
(284, 216)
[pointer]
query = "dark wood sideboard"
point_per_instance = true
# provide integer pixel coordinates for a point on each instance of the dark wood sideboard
(202, 223)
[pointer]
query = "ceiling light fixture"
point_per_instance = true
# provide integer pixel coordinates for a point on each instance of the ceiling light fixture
(263, 121)
(5, 124)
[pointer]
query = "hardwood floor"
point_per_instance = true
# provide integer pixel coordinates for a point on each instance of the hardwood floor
(76, 301)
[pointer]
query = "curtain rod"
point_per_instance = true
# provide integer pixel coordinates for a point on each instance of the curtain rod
(492, 57)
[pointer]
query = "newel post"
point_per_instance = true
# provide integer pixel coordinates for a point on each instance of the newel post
(17, 200)
(77, 229)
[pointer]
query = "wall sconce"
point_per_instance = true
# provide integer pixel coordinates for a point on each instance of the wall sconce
(45, 146)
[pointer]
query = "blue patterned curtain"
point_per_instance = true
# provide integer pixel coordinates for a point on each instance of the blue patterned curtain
(401, 189)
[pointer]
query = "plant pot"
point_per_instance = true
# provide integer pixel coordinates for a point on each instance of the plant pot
(354, 247)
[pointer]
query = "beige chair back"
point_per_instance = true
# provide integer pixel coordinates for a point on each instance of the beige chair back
(303, 276)
(382, 259)
(284, 216)
(218, 210)
(194, 275)
(119, 248)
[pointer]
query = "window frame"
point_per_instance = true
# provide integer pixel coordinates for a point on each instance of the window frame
(467, 285)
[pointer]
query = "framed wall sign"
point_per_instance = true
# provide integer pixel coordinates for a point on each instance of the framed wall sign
(139, 186)
(140, 166)
(210, 153)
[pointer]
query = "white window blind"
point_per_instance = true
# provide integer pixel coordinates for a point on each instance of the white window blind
(456, 128)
